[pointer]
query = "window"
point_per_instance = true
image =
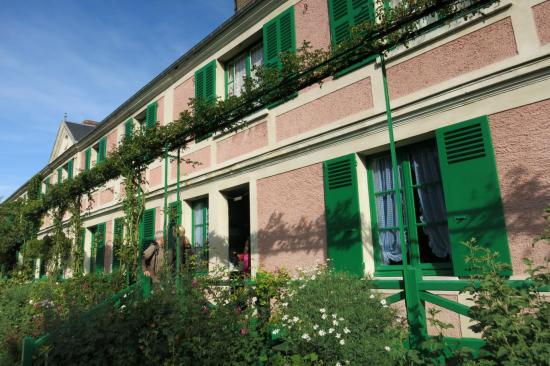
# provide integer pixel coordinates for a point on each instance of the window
(88, 157)
(242, 67)
(205, 93)
(344, 14)
(425, 219)
(145, 119)
(199, 236)
(97, 257)
(128, 128)
(118, 239)
(66, 171)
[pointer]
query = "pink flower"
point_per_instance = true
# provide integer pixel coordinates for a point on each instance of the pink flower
(194, 283)
(244, 331)
(205, 309)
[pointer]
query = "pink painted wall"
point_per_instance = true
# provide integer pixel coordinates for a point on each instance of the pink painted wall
(160, 111)
(106, 196)
(202, 158)
(154, 178)
(520, 139)
(243, 142)
(182, 94)
(329, 108)
(82, 161)
(108, 245)
(112, 141)
(471, 52)
(159, 219)
(541, 13)
(93, 203)
(291, 219)
(312, 23)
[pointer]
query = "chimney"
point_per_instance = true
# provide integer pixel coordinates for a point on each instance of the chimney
(239, 4)
(89, 122)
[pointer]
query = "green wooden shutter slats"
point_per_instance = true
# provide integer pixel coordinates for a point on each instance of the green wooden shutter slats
(100, 248)
(205, 83)
(472, 192)
(70, 169)
(344, 242)
(88, 158)
(344, 14)
(102, 150)
(279, 36)
(174, 220)
(151, 115)
(147, 228)
(59, 175)
(118, 239)
(128, 128)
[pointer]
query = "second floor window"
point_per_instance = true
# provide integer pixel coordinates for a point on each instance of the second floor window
(242, 67)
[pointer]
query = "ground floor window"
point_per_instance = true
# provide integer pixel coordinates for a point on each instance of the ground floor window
(425, 216)
(199, 240)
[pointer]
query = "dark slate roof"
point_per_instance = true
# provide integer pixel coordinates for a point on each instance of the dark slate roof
(79, 131)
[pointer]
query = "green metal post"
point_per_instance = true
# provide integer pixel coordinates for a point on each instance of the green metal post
(146, 286)
(165, 194)
(178, 239)
(29, 347)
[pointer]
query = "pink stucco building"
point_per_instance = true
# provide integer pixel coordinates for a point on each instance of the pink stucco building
(308, 180)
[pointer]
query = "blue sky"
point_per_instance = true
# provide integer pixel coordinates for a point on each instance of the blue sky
(83, 58)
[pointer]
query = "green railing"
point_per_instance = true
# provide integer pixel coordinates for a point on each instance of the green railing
(415, 292)
(31, 346)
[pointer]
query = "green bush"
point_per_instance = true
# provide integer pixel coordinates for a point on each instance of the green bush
(329, 318)
(26, 306)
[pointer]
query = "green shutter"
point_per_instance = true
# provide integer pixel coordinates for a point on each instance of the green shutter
(88, 159)
(59, 175)
(344, 243)
(102, 150)
(151, 115)
(47, 188)
(472, 191)
(344, 14)
(147, 228)
(129, 128)
(205, 83)
(117, 241)
(100, 248)
(279, 36)
(70, 169)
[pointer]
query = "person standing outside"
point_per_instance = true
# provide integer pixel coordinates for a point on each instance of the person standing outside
(154, 258)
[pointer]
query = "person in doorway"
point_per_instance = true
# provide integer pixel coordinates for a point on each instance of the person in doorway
(244, 258)
(154, 258)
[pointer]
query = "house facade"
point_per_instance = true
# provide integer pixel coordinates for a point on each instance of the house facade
(310, 180)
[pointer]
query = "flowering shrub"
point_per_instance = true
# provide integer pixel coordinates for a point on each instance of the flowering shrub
(333, 318)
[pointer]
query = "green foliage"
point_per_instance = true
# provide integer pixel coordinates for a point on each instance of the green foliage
(26, 306)
(327, 318)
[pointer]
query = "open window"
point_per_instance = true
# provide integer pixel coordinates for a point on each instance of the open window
(242, 67)
(198, 252)
(238, 203)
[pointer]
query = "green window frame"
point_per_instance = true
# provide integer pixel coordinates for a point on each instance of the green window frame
(412, 224)
(147, 228)
(59, 175)
(70, 169)
(251, 57)
(151, 115)
(97, 257)
(205, 91)
(199, 235)
(47, 184)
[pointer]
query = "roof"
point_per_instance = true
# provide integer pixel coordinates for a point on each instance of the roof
(79, 131)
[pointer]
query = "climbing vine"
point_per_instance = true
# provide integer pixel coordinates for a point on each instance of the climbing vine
(394, 26)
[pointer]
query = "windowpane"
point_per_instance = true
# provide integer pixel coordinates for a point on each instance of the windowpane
(256, 59)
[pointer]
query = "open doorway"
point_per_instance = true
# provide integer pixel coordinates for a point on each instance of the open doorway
(238, 203)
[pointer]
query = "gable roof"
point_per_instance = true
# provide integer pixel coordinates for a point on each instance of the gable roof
(78, 130)
(70, 133)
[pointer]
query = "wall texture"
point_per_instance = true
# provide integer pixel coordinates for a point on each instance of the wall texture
(541, 13)
(473, 51)
(182, 94)
(291, 219)
(329, 108)
(243, 142)
(520, 139)
(312, 23)
(201, 160)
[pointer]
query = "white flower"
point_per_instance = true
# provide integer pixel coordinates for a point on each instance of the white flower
(338, 364)
(338, 335)
(284, 304)
(313, 277)
(331, 330)
(306, 336)
(341, 319)
(122, 307)
(383, 302)
(315, 327)
(322, 332)
(335, 322)
(275, 331)
(226, 302)
(346, 330)
(324, 316)
(334, 316)
(285, 317)
(322, 310)
(387, 348)
(295, 319)
(371, 296)
(342, 342)
(31, 302)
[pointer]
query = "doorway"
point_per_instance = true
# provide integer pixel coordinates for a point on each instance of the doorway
(238, 203)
